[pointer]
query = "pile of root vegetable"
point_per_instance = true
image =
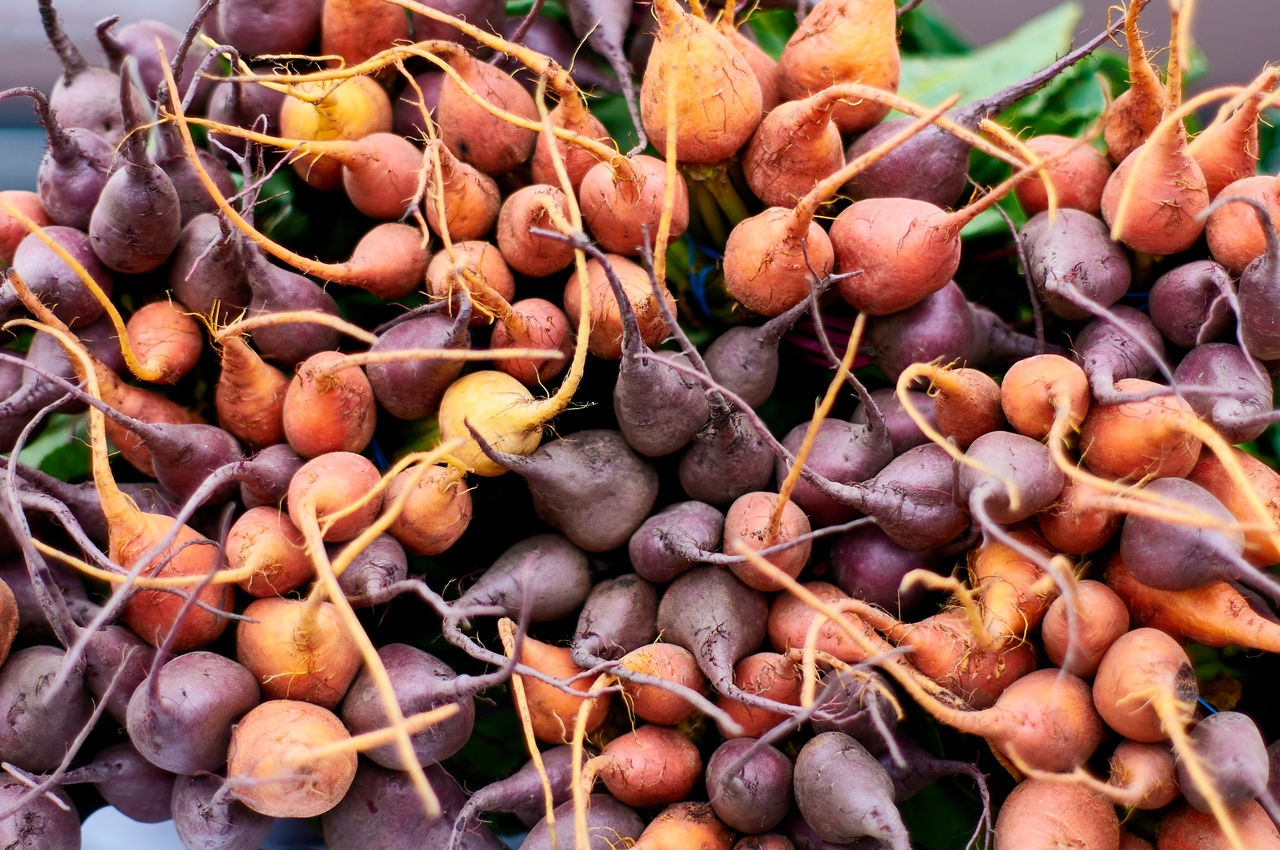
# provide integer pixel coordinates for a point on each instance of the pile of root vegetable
(394, 444)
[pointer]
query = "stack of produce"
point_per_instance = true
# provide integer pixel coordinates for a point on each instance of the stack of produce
(794, 532)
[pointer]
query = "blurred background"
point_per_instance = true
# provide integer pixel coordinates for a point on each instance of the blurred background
(1235, 50)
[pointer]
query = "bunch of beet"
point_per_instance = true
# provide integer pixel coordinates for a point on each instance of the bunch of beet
(725, 589)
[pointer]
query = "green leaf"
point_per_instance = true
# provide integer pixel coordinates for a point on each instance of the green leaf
(929, 31)
(61, 450)
(931, 79)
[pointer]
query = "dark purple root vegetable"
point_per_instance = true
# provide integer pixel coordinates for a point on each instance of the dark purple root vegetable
(137, 221)
(276, 290)
(544, 573)
(590, 485)
(709, 612)
(1239, 417)
(726, 459)
(618, 616)
(744, 359)
(382, 809)
(1071, 256)
(412, 389)
(916, 769)
(857, 703)
(844, 793)
(40, 824)
(85, 95)
(256, 27)
(866, 564)
(421, 682)
(522, 792)
(273, 468)
(1173, 556)
(53, 281)
(911, 498)
(1259, 286)
(903, 432)
(126, 780)
(370, 578)
(842, 452)
(243, 105)
(943, 325)
(180, 719)
(116, 651)
(33, 625)
(1231, 751)
(604, 24)
(1189, 303)
(609, 824)
(206, 269)
(208, 818)
(674, 539)
(40, 722)
(756, 795)
(1125, 344)
(1021, 478)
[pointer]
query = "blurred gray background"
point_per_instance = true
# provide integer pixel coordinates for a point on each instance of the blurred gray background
(1233, 33)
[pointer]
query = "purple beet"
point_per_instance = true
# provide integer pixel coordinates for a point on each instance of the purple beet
(206, 271)
(522, 792)
(49, 277)
(126, 780)
(1241, 416)
(608, 823)
(207, 817)
(1189, 303)
(412, 389)
(754, 796)
(843, 452)
(1074, 264)
(137, 221)
(257, 27)
(40, 824)
(673, 540)
(617, 617)
(865, 563)
(371, 578)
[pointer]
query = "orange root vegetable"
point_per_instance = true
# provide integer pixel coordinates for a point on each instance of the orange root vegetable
(356, 30)
(278, 764)
(578, 160)
(764, 66)
(749, 520)
(690, 59)
(533, 323)
(1139, 439)
(1073, 525)
(1034, 390)
(664, 661)
(12, 231)
(1101, 617)
(553, 711)
(390, 261)
(649, 767)
(1261, 547)
(1144, 677)
(1234, 234)
(843, 41)
(945, 648)
(347, 109)
(1214, 615)
(8, 620)
(620, 202)
(1227, 150)
(771, 259)
(475, 135)
(1145, 775)
(966, 404)
(605, 339)
(1040, 814)
(1186, 828)
(791, 622)
(766, 674)
(477, 269)
(469, 197)
(326, 410)
(434, 514)
(165, 339)
(334, 483)
(249, 397)
(685, 826)
(1015, 592)
(298, 649)
(539, 205)
(265, 541)
(1078, 179)
(1135, 112)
